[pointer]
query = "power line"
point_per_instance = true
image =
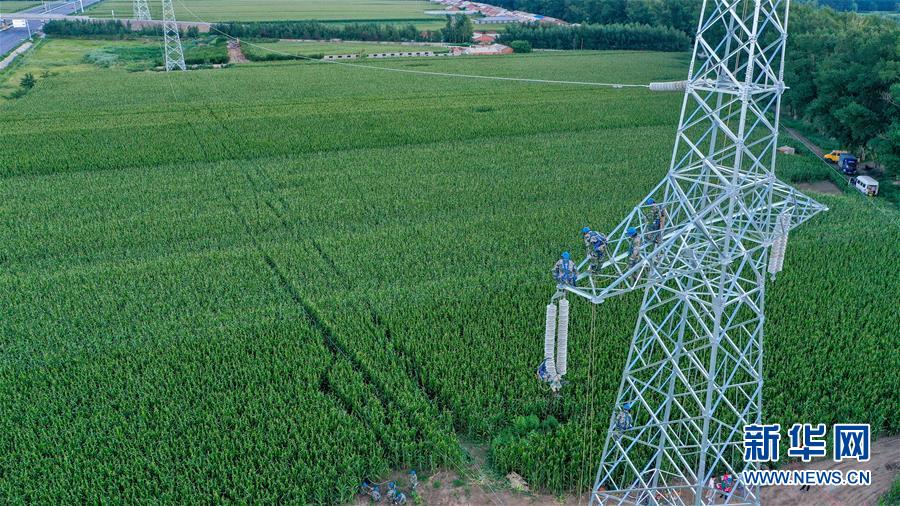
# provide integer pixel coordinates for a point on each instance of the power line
(411, 71)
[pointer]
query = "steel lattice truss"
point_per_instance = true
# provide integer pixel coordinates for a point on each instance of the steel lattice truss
(141, 10)
(694, 370)
(174, 52)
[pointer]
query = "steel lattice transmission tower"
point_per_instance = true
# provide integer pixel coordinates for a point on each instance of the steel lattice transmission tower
(174, 52)
(693, 377)
(141, 10)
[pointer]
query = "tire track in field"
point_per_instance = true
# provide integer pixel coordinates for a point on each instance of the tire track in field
(376, 324)
(308, 312)
(383, 393)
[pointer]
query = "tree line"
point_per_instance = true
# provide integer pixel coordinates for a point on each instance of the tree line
(324, 31)
(859, 5)
(679, 14)
(109, 28)
(611, 36)
(843, 70)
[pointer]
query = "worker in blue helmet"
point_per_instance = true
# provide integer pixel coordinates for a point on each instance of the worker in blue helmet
(565, 271)
(623, 418)
(371, 490)
(413, 480)
(544, 375)
(656, 218)
(595, 242)
(395, 495)
(634, 249)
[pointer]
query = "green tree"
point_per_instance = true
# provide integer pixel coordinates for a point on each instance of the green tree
(520, 46)
(458, 29)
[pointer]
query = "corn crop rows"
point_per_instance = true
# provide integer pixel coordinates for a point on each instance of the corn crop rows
(270, 293)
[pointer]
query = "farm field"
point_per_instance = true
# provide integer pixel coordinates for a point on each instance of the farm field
(277, 10)
(261, 50)
(204, 273)
(9, 6)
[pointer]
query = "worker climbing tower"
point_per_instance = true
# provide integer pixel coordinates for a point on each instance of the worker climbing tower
(693, 376)
(172, 39)
(141, 10)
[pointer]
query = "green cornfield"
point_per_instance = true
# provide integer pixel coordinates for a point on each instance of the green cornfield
(268, 282)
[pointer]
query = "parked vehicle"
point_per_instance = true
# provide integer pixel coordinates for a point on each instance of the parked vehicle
(848, 163)
(834, 155)
(865, 184)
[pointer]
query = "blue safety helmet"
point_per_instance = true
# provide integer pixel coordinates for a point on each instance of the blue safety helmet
(631, 231)
(650, 201)
(565, 255)
(585, 230)
(626, 406)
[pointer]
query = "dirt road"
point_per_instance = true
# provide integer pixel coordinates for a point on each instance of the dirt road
(235, 54)
(884, 464)
(806, 142)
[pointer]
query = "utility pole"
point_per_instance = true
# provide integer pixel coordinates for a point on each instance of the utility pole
(173, 52)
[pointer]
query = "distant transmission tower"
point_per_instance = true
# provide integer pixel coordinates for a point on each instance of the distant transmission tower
(698, 247)
(141, 10)
(174, 52)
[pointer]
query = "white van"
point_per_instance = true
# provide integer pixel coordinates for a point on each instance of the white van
(865, 184)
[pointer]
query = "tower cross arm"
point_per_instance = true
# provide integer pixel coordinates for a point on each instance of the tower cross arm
(679, 235)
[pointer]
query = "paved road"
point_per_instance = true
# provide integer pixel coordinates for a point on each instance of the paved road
(36, 17)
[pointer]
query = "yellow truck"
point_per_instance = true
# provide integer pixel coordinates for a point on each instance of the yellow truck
(835, 155)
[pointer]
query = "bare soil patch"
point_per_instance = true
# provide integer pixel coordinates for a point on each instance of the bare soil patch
(821, 187)
(235, 54)
(477, 485)
(884, 464)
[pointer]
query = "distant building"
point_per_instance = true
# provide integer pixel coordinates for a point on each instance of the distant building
(483, 38)
(401, 54)
(496, 20)
(493, 49)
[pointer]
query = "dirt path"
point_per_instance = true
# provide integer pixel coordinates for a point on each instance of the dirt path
(806, 142)
(12, 56)
(477, 485)
(884, 464)
(235, 54)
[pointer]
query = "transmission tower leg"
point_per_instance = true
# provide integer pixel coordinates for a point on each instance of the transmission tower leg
(174, 53)
(141, 10)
